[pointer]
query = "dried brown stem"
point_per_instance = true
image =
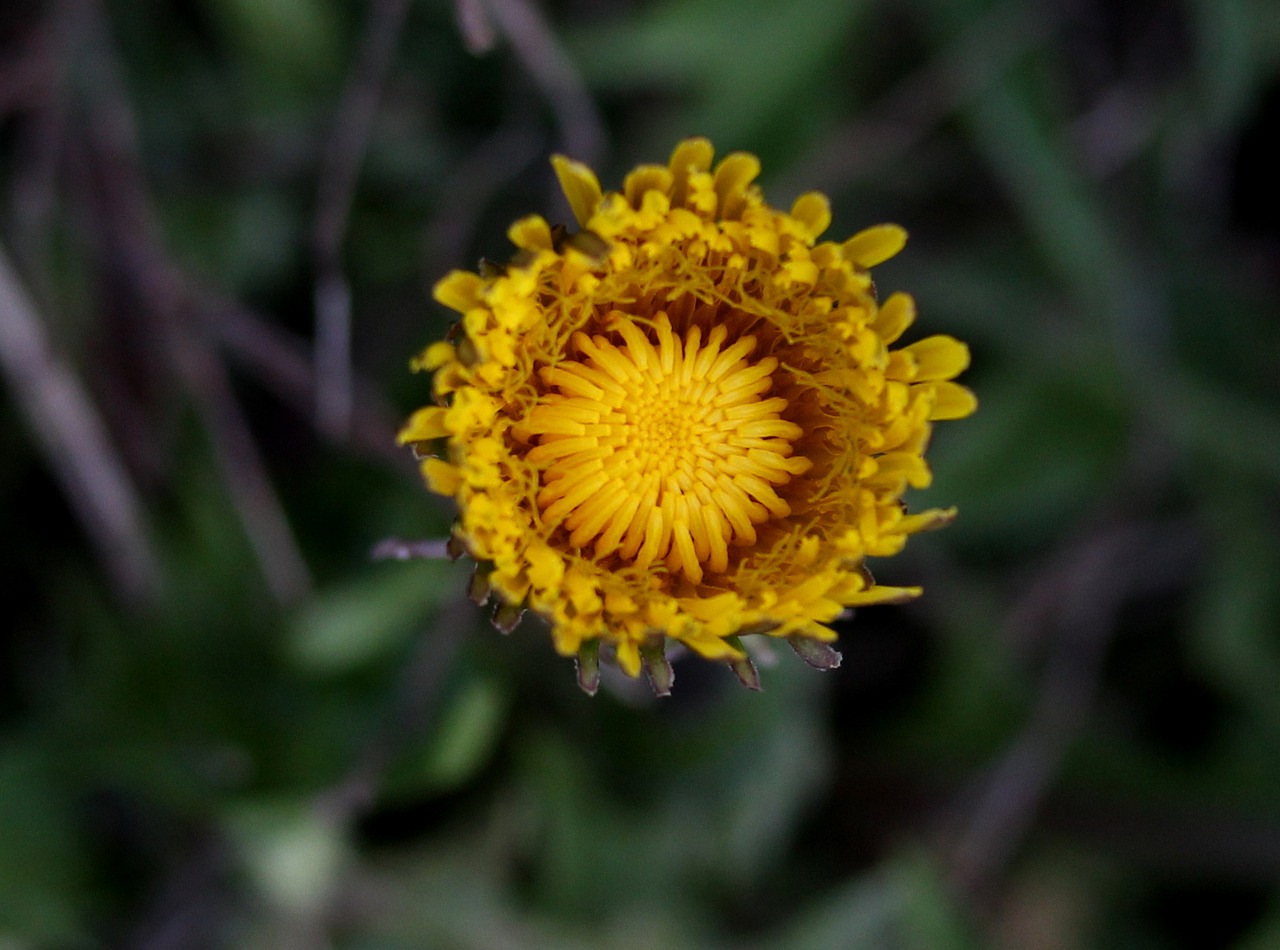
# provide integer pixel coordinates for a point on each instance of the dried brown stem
(495, 162)
(261, 513)
(475, 26)
(339, 172)
(39, 143)
(26, 77)
(533, 41)
(67, 426)
(409, 714)
(399, 549)
(281, 362)
(192, 902)
(1222, 842)
(1077, 603)
(126, 231)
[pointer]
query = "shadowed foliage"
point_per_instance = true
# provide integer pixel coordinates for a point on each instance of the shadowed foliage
(224, 723)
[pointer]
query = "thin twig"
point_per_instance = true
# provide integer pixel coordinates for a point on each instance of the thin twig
(1204, 840)
(263, 516)
(410, 713)
(192, 902)
(399, 549)
(1078, 602)
(25, 76)
(494, 163)
(39, 143)
(339, 170)
(1125, 118)
(475, 26)
(533, 41)
(281, 362)
(64, 421)
(1118, 127)
(127, 232)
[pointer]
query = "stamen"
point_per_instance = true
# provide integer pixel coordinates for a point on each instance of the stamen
(659, 449)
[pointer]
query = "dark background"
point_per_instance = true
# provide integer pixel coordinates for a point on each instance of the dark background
(223, 724)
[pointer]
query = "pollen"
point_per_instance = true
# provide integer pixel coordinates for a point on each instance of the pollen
(656, 448)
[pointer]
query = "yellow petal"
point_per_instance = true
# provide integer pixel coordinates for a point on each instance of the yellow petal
(459, 290)
(953, 401)
(896, 314)
(691, 155)
(618, 603)
(531, 233)
(875, 245)
(567, 639)
(930, 520)
(883, 595)
(708, 608)
(546, 567)
(423, 426)
(644, 179)
(732, 177)
(628, 657)
(807, 553)
(433, 357)
(809, 630)
(580, 186)
(813, 210)
(442, 478)
(939, 357)
(711, 647)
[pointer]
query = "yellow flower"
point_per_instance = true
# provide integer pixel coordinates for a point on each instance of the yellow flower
(683, 422)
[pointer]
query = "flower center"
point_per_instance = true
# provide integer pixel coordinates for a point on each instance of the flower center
(661, 448)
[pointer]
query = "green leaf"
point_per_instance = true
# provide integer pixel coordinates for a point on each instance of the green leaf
(41, 873)
(367, 618)
(1237, 605)
(295, 42)
(765, 802)
(459, 746)
(1265, 935)
(1227, 58)
(903, 904)
(1040, 450)
(292, 851)
(744, 62)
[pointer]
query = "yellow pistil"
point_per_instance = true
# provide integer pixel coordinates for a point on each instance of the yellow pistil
(663, 448)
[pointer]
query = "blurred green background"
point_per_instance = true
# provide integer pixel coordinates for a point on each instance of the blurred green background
(224, 724)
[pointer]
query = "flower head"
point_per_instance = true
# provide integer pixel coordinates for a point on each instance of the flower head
(684, 422)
